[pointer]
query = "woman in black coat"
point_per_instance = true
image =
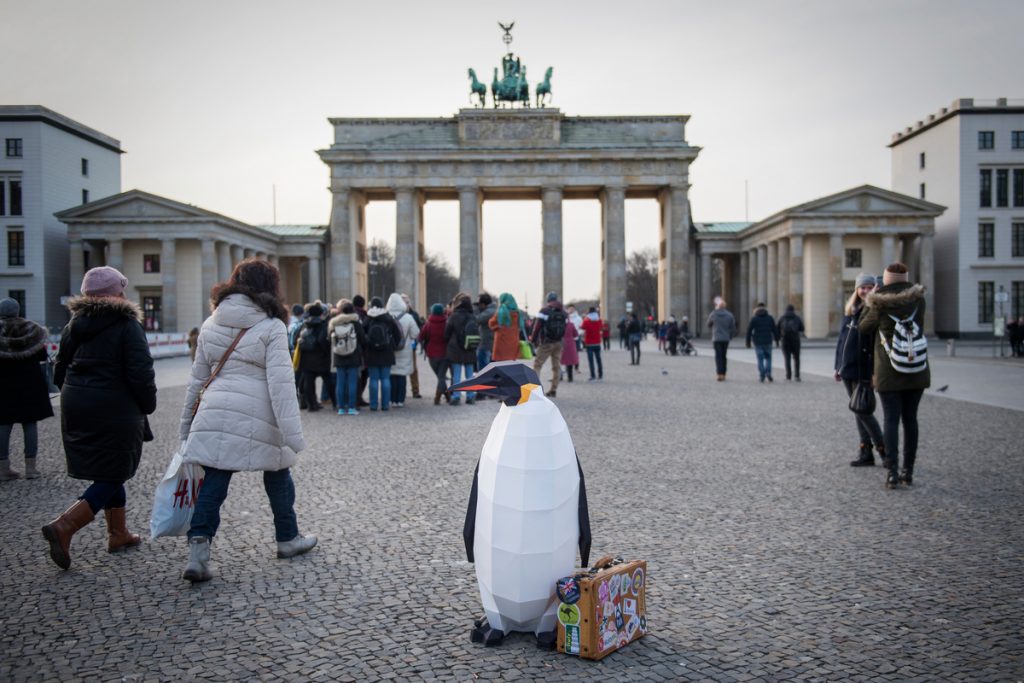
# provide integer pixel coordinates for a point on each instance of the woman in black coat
(22, 349)
(460, 359)
(854, 362)
(108, 388)
(315, 358)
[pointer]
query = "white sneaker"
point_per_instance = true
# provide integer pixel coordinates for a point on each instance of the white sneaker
(297, 546)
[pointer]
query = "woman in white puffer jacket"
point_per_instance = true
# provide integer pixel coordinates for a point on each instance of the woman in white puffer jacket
(248, 418)
(403, 366)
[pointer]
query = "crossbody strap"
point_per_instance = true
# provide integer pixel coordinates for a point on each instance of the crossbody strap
(216, 370)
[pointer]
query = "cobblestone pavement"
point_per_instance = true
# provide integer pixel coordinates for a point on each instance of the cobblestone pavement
(770, 558)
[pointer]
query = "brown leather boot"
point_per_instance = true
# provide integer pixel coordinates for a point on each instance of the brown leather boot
(118, 536)
(59, 531)
(437, 397)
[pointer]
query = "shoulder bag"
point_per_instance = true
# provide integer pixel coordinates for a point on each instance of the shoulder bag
(216, 371)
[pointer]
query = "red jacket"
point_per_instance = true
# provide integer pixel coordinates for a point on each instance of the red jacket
(591, 332)
(432, 335)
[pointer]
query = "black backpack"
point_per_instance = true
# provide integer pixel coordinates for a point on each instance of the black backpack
(308, 339)
(378, 334)
(470, 333)
(554, 326)
(790, 327)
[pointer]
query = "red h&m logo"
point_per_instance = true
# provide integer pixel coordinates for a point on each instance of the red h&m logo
(185, 496)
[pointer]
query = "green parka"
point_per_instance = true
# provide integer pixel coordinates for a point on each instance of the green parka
(899, 299)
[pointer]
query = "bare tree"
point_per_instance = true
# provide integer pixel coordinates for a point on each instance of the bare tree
(642, 282)
(442, 284)
(381, 270)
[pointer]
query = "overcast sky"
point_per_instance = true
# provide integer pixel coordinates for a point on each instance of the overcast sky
(216, 102)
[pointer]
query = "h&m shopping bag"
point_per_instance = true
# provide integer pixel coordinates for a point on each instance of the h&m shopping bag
(175, 497)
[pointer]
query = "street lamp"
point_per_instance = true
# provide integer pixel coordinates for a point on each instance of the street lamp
(374, 262)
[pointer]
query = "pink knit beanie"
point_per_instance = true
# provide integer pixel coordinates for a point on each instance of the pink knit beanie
(104, 281)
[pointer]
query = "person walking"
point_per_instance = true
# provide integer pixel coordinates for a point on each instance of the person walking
(107, 388)
(507, 327)
(634, 332)
(854, 364)
(359, 303)
(761, 331)
(606, 334)
(548, 333)
(315, 358)
(461, 348)
(382, 338)
(348, 341)
(723, 328)
(247, 417)
(408, 330)
(486, 308)
(570, 356)
(672, 336)
(593, 336)
(436, 349)
(895, 316)
(790, 328)
(26, 396)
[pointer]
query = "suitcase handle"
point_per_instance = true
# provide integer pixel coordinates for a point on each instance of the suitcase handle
(605, 561)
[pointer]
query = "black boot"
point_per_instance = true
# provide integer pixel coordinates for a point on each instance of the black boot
(907, 476)
(865, 458)
(892, 479)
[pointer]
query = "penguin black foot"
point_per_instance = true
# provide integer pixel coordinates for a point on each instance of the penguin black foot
(547, 640)
(483, 633)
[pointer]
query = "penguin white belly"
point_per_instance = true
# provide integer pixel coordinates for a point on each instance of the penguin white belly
(527, 523)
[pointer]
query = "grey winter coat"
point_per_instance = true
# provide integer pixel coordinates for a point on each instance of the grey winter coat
(722, 324)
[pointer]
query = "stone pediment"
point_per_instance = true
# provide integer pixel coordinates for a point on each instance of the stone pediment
(137, 205)
(866, 199)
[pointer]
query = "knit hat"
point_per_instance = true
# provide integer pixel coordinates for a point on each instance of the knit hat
(865, 280)
(376, 302)
(104, 281)
(9, 308)
(297, 309)
(552, 296)
(437, 309)
(316, 310)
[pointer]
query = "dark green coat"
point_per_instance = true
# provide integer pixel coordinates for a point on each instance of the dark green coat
(899, 299)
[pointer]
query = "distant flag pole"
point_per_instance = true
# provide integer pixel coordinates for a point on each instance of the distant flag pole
(273, 192)
(746, 201)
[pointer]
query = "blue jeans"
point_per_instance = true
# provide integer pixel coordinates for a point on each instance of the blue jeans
(764, 360)
(483, 357)
(345, 387)
(594, 351)
(380, 377)
(280, 491)
(458, 370)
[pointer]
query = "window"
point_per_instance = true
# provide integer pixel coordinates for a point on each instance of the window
(922, 190)
(853, 258)
(986, 240)
(1002, 182)
(986, 301)
(10, 195)
(1017, 299)
(19, 296)
(1017, 139)
(986, 187)
(85, 167)
(986, 139)
(920, 160)
(1018, 187)
(151, 317)
(151, 263)
(14, 147)
(85, 196)
(15, 247)
(1017, 247)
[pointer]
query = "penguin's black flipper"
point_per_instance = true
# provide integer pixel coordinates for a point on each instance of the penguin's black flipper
(469, 528)
(584, 517)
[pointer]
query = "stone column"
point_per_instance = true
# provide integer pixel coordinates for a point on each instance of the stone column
(169, 284)
(115, 254)
(752, 286)
(223, 261)
(471, 277)
(613, 252)
(208, 261)
(248, 253)
(888, 250)
(706, 295)
(261, 256)
(762, 275)
(675, 270)
(796, 273)
(835, 282)
(551, 226)
(272, 259)
(314, 279)
(783, 276)
(236, 255)
(410, 269)
(77, 267)
(772, 278)
(926, 277)
(742, 305)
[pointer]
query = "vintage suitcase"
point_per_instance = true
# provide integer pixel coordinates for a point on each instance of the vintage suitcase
(602, 609)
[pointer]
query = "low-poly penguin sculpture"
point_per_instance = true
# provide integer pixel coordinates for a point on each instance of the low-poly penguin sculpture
(527, 509)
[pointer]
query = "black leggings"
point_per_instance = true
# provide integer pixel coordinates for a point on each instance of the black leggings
(721, 348)
(104, 495)
(900, 406)
(440, 368)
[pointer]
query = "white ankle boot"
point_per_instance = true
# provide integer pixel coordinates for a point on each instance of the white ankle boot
(198, 567)
(298, 545)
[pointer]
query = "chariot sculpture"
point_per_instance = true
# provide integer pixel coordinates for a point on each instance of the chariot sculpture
(511, 86)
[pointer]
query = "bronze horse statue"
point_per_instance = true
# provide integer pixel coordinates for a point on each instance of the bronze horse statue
(477, 88)
(544, 87)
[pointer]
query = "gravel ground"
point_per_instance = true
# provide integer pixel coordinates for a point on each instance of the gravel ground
(769, 558)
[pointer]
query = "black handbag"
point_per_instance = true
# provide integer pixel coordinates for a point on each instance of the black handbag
(862, 400)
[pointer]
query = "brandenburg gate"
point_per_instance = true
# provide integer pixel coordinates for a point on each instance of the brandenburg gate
(492, 154)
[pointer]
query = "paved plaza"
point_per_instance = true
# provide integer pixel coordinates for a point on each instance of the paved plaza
(769, 557)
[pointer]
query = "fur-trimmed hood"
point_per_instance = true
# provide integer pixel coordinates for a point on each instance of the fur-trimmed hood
(343, 318)
(896, 296)
(20, 338)
(95, 306)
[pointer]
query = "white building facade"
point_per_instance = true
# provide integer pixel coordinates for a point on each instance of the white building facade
(969, 157)
(48, 163)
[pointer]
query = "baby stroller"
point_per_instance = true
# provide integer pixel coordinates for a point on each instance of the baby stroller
(685, 347)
